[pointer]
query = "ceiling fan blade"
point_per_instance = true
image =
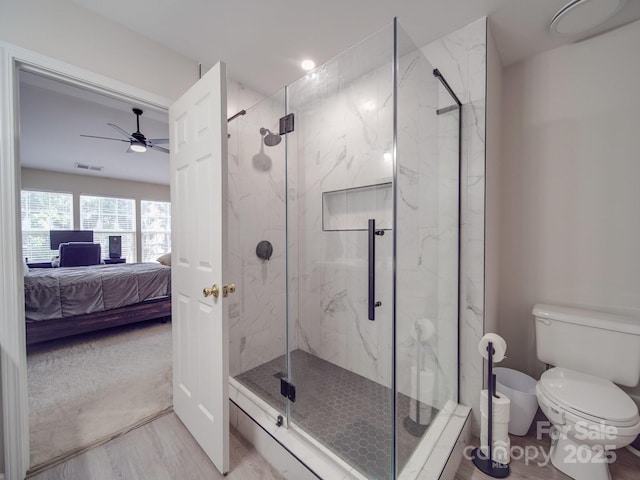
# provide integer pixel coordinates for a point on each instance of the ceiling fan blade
(159, 141)
(121, 131)
(162, 149)
(105, 138)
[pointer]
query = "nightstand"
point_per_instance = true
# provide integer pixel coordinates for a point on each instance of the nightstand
(113, 261)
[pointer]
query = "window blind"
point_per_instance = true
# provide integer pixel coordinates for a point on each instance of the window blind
(155, 229)
(41, 212)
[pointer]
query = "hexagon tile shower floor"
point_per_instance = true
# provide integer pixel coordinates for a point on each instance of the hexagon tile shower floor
(345, 411)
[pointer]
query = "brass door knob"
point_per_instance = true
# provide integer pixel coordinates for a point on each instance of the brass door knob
(227, 289)
(214, 290)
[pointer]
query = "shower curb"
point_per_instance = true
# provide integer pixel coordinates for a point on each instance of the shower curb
(298, 456)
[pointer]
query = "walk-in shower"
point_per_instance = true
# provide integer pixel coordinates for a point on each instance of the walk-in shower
(350, 327)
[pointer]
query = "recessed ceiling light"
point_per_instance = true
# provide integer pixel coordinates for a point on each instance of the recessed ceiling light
(308, 65)
(579, 16)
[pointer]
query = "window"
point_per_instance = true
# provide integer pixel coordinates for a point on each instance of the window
(41, 212)
(156, 229)
(110, 216)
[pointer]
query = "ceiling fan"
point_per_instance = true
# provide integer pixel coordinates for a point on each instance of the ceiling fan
(137, 141)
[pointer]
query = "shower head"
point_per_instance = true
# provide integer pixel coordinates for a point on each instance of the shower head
(270, 139)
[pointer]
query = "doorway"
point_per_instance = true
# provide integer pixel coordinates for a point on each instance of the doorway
(12, 333)
(85, 388)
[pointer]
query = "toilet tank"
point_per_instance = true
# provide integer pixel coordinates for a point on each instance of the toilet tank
(596, 343)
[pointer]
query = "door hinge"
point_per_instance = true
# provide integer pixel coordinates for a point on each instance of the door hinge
(286, 124)
(287, 390)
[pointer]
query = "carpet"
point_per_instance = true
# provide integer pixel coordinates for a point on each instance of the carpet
(91, 386)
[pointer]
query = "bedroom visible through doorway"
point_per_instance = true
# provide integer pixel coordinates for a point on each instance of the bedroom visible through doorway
(87, 383)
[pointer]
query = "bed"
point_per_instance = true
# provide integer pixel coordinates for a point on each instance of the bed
(60, 302)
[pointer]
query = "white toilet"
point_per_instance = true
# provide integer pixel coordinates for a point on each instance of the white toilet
(591, 416)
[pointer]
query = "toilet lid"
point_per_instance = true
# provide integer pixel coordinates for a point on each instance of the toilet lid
(589, 395)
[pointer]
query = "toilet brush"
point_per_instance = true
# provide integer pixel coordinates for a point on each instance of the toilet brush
(485, 463)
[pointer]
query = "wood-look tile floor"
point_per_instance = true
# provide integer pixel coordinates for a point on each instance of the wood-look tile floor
(626, 466)
(160, 450)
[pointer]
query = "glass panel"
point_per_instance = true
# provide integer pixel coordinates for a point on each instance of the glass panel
(426, 236)
(339, 167)
(256, 215)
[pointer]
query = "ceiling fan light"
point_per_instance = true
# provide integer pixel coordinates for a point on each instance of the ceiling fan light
(138, 147)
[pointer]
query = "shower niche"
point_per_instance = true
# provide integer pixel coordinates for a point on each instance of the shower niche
(371, 140)
(350, 209)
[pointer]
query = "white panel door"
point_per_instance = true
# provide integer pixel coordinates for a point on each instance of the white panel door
(198, 139)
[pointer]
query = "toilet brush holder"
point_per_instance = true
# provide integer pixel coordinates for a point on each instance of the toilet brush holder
(484, 462)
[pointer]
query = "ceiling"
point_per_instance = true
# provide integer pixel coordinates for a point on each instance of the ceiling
(54, 114)
(262, 43)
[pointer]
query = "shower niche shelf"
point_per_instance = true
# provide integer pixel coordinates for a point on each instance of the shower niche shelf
(351, 208)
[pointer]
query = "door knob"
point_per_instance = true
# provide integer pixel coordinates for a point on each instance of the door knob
(214, 290)
(227, 289)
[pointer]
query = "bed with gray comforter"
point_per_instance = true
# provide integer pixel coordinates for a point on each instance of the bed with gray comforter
(57, 293)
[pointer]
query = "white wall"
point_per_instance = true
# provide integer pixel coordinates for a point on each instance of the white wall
(66, 32)
(570, 227)
(33, 179)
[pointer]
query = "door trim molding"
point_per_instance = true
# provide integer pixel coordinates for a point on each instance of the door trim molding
(13, 359)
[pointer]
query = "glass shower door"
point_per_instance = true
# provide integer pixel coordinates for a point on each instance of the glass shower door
(257, 249)
(339, 171)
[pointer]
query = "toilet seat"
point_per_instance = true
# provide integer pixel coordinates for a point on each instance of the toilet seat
(588, 397)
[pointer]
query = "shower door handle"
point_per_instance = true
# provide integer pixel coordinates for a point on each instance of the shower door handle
(372, 268)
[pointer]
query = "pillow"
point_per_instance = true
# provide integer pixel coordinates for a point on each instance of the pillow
(165, 259)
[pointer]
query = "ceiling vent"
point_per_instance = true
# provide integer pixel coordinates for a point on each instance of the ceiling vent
(579, 16)
(93, 168)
